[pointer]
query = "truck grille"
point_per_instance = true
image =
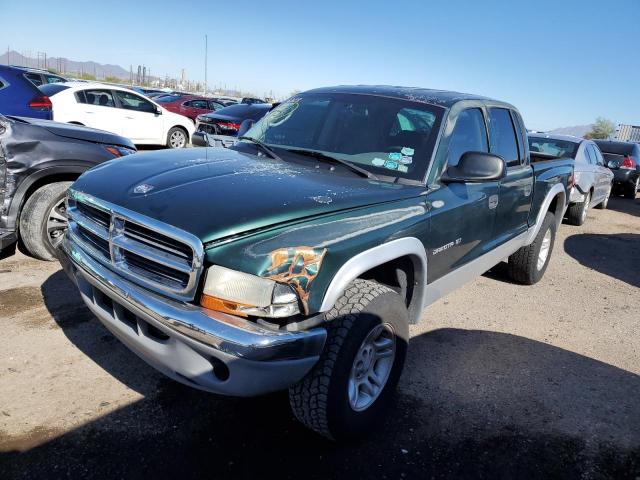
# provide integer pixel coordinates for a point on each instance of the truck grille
(145, 251)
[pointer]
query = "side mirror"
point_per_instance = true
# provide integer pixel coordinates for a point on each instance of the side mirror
(245, 126)
(158, 111)
(476, 167)
(199, 139)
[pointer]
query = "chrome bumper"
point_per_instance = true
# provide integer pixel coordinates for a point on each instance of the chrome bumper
(211, 351)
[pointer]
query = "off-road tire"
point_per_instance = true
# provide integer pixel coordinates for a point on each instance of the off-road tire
(320, 400)
(630, 189)
(576, 214)
(34, 216)
(173, 130)
(523, 264)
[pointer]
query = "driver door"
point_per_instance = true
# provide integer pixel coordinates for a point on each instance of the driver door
(140, 122)
(462, 215)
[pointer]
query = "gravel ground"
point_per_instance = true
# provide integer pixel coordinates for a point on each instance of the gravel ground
(502, 381)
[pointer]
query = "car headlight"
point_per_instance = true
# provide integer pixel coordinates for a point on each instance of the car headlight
(118, 151)
(239, 293)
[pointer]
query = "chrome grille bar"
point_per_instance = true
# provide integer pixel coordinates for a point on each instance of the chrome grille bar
(153, 254)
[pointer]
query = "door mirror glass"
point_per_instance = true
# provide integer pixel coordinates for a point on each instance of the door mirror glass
(476, 167)
(245, 126)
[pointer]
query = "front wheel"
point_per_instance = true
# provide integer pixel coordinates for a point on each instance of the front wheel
(177, 138)
(349, 390)
(43, 220)
(528, 264)
(577, 212)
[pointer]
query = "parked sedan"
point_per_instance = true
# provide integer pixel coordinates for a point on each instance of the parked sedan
(623, 158)
(39, 159)
(189, 105)
(118, 110)
(593, 181)
(19, 96)
(227, 120)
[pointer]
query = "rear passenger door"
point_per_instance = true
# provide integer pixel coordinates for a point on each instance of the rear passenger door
(461, 214)
(96, 108)
(507, 139)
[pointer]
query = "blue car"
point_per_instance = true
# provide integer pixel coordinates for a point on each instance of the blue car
(20, 97)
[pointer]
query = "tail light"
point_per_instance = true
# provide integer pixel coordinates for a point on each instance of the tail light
(628, 163)
(229, 125)
(40, 102)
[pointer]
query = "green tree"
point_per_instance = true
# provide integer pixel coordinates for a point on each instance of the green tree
(87, 76)
(602, 129)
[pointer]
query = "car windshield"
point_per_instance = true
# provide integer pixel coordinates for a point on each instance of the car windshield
(552, 146)
(385, 136)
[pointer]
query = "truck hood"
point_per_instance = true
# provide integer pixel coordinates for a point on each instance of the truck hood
(215, 193)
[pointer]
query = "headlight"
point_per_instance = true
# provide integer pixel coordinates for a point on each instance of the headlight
(118, 151)
(243, 294)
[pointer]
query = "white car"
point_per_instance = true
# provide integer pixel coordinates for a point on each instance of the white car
(118, 110)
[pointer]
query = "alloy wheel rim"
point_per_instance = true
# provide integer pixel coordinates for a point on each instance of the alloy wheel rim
(544, 249)
(585, 207)
(371, 367)
(57, 223)
(177, 139)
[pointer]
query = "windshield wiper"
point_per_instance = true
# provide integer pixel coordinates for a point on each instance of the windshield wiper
(263, 146)
(329, 158)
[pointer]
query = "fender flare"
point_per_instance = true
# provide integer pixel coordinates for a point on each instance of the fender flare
(374, 257)
(17, 200)
(555, 191)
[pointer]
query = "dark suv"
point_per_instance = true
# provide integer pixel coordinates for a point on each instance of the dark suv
(623, 158)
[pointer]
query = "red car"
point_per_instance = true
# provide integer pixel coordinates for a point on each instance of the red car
(189, 105)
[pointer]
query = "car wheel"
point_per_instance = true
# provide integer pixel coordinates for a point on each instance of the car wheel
(177, 138)
(631, 188)
(603, 205)
(43, 220)
(577, 212)
(350, 389)
(528, 264)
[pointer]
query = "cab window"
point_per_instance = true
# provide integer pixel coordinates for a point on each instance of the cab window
(503, 136)
(469, 135)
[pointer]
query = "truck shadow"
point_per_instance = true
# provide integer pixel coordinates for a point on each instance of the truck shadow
(616, 254)
(471, 404)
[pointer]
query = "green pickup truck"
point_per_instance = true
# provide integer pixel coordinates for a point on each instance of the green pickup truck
(299, 257)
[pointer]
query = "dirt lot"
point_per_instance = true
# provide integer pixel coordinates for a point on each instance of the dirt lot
(503, 381)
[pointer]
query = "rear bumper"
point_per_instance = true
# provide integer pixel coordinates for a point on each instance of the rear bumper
(217, 352)
(622, 176)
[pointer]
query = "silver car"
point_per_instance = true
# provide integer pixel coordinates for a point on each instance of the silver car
(593, 180)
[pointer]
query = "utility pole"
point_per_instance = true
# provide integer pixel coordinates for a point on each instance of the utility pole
(205, 65)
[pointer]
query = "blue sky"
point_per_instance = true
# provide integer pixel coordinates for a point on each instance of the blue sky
(561, 62)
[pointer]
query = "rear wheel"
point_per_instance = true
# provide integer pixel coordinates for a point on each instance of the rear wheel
(630, 189)
(577, 212)
(529, 263)
(349, 390)
(43, 220)
(177, 138)
(603, 205)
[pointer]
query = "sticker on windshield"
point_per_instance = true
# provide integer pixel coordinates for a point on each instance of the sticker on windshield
(377, 162)
(403, 168)
(391, 165)
(406, 160)
(407, 151)
(395, 156)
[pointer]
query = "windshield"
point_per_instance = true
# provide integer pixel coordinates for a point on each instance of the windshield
(385, 136)
(551, 146)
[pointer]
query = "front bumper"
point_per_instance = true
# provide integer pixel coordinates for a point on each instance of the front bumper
(217, 352)
(7, 239)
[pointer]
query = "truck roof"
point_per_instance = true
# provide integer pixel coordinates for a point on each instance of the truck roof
(443, 98)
